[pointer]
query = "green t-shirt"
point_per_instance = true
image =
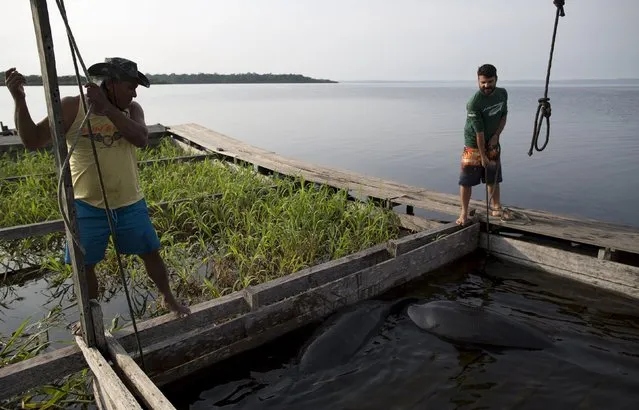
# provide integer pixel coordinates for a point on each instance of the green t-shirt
(483, 114)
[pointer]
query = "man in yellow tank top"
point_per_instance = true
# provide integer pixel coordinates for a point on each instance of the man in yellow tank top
(118, 126)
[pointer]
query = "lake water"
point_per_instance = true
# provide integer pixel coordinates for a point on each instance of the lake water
(592, 364)
(412, 132)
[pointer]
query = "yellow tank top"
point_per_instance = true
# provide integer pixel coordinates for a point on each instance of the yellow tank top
(118, 163)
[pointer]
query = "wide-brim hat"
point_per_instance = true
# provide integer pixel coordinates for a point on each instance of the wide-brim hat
(120, 68)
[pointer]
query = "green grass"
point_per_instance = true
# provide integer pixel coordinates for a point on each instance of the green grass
(253, 230)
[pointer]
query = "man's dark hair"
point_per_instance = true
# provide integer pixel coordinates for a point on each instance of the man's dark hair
(487, 70)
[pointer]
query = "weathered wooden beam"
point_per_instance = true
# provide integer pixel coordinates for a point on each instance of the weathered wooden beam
(107, 380)
(613, 276)
(39, 370)
(188, 353)
(135, 378)
(417, 224)
(203, 314)
(44, 40)
(296, 283)
(399, 246)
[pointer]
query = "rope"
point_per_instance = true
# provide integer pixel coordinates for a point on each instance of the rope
(74, 51)
(544, 109)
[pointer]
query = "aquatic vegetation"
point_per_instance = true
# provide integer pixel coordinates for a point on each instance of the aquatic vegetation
(223, 227)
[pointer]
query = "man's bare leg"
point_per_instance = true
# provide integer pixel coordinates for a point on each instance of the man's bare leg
(493, 195)
(156, 269)
(465, 193)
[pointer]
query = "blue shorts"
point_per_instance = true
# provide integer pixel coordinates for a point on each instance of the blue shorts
(135, 232)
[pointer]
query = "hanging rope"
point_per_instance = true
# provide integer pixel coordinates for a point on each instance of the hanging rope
(544, 109)
(75, 51)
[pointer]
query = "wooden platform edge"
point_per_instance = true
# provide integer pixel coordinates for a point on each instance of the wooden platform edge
(186, 354)
(229, 318)
(601, 273)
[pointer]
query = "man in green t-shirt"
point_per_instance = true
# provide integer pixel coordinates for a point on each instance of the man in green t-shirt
(485, 120)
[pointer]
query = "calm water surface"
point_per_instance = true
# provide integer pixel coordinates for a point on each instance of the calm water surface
(412, 133)
(593, 364)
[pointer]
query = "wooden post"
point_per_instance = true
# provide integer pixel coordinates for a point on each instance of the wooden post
(54, 108)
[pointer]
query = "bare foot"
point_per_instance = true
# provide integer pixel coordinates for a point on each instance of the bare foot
(76, 329)
(175, 306)
(463, 218)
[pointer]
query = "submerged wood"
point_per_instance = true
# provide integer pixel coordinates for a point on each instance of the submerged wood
(605, 274)
(216, 329)
(579, 230)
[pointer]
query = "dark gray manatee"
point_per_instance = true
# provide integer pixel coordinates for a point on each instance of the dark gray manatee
(336, 341)
(467, 325)
(342, 335)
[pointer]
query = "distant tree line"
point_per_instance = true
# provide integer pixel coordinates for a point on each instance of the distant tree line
(201, 78)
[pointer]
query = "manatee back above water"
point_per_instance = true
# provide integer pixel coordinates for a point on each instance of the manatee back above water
(456, 322)
(346, 332)
(340, 339)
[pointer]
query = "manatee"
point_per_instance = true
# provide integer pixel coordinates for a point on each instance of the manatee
(345, 333)
(466, 325)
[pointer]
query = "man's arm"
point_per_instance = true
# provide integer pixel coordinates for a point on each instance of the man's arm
(132, 129)
(474, 114)
(502, 123)
(482, 147)
(495, 139)
(38, 135)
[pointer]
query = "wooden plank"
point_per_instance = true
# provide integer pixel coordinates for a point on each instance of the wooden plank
(185, 354)
(620, 278)
(106, 378)
(102, 399)
(585, 231)
(39, 370)
(293, 284)
(406, 244)
(46, 52)
(579, 230)
(217, 142)
(203, 314)
(35, 229)
(416, 223)
(51, 366)
(135, 378)
(201, 349)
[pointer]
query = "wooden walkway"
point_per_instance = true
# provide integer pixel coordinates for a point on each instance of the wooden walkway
(583, 231)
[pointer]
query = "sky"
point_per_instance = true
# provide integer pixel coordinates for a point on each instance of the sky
(343, 40)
